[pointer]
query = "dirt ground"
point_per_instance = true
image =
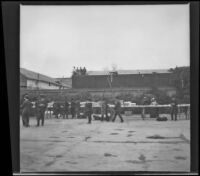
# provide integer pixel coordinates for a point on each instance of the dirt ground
(135, 145)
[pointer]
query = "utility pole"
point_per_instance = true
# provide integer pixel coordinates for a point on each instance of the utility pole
(110, 79)
(182, 83)
(38, 84)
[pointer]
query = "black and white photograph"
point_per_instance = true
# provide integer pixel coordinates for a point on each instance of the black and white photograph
(105, 88)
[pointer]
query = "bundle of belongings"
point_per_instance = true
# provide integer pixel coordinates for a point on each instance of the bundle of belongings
(161, 118)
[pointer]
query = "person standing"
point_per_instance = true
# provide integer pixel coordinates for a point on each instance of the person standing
(56, 109)
(41, 106)
(104, 110)
(118, 111)
(81, 71)
(77, 71)
(26, 111)
(73, 106)
(78, 107)
(185, 110)
(144, 102)
(74, 71)
(88, 110)
(66, 108)
(84, 71)
(174, 109)
(62, 109)
(155, 110)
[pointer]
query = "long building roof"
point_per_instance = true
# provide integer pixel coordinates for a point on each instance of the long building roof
(128, 72)
(37, 76)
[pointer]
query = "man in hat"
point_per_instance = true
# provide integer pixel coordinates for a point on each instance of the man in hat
(56, 109)
(74, 71)
(66, 107)
(104, 110)
(41, 105)
(84, 71)
(174, 109)
(155, 110)
(144, 102)
(117, 110)
(78, 108)
(73, 108)
(26, 111)
(88, 110)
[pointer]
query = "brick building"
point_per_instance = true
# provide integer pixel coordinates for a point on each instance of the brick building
(131, 81)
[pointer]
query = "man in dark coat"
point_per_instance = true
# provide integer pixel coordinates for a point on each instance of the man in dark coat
(104, 110)
(41, 106)
(56, 109)
(117, 110)
(66, 106)
(144, 102)
(88, 110)
(174, 109)
(78, 108)
(154, 113)
(73, 108)
(84, 71)
(26, 111)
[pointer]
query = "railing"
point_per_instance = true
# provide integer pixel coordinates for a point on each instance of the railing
(146, 106)
(162, 109)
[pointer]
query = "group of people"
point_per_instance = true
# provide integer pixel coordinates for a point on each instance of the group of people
(79, 71)
(74, 108)
(104, 110)
(67, 108)
(155, 111)
(40, 108)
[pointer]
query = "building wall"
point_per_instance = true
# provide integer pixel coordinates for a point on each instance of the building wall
(33, 84)
(98, 92)
(129, 81)
(23, 81)
(66, 81)
(170, 91)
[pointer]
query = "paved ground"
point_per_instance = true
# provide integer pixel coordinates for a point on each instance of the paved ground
(135, 145)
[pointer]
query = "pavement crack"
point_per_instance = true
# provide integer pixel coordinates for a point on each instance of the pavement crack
(160, 137)
(140, 142)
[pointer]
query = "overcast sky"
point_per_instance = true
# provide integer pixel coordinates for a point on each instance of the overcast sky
(53, 39)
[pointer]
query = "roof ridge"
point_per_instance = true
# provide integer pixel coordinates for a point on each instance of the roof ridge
(34, 75)
(127, 70)
(37, 73)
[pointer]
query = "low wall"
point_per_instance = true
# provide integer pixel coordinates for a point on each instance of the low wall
(60, 94)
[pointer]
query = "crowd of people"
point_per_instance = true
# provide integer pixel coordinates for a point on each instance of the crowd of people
(73, 108)
(79, 71)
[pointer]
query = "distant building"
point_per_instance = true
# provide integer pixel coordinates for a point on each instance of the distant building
(133, 81)
(33, 80)
(67, 82)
